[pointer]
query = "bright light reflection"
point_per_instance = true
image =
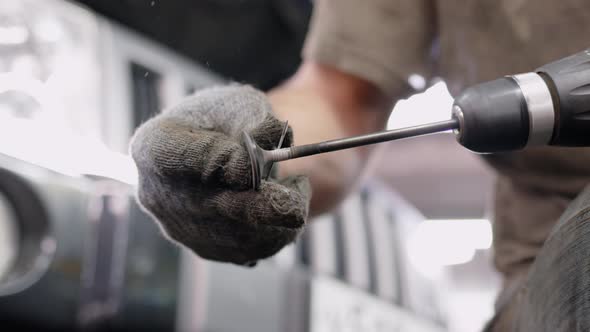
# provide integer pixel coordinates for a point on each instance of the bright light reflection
(13, 35)
(434, 104)
(44, 140)
(438, 243)
(418, 82)
(62, 151)
(49, 30)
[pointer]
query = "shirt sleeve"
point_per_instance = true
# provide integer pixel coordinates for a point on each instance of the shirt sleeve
(381, 41)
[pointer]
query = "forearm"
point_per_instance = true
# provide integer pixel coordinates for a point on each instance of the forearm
(321, 103)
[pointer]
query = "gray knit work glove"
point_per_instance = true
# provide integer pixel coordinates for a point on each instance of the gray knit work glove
(195, 178)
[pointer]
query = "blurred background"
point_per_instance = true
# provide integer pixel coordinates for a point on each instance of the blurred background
(408, 252)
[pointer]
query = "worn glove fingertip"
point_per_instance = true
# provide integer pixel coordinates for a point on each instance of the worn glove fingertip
(237, 170)
(268, 133)
(140, 143)
(299, 183)
(279, 205)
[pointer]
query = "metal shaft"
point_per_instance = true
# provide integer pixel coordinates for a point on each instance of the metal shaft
(351, 142)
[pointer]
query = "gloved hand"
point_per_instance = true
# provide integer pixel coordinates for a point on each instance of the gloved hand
(195, 178)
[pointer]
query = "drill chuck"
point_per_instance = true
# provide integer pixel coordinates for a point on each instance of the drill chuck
(550, 106)
(492, 117)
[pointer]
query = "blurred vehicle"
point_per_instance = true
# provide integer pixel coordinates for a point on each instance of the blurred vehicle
(76, 252)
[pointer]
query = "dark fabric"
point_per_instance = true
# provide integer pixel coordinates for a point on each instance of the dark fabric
(554, 296)
(535, 186)
(251, 41)
(195, 177)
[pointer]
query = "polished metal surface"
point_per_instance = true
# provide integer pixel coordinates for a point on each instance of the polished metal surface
(9, 236)
(280, 145)
(256, 159)
(458, 114)
(539, 106)
(356, 141)
(27, 211)
(260, 159)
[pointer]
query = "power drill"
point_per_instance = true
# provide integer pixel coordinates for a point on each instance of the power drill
(550, 106)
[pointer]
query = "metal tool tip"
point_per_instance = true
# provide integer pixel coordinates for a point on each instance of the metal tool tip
(253, 154)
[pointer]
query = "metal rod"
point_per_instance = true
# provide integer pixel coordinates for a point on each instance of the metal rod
(351, 142)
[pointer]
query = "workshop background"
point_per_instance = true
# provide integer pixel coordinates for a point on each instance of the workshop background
(408, 252)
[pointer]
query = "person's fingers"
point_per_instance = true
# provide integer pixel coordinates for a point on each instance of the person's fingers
(268, 133)
(225, 225)
(299, 183)
(285, 206)
(177, 150)
(229, 109)
(273, 205)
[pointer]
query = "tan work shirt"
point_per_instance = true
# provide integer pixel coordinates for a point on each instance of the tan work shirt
(467, 42)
